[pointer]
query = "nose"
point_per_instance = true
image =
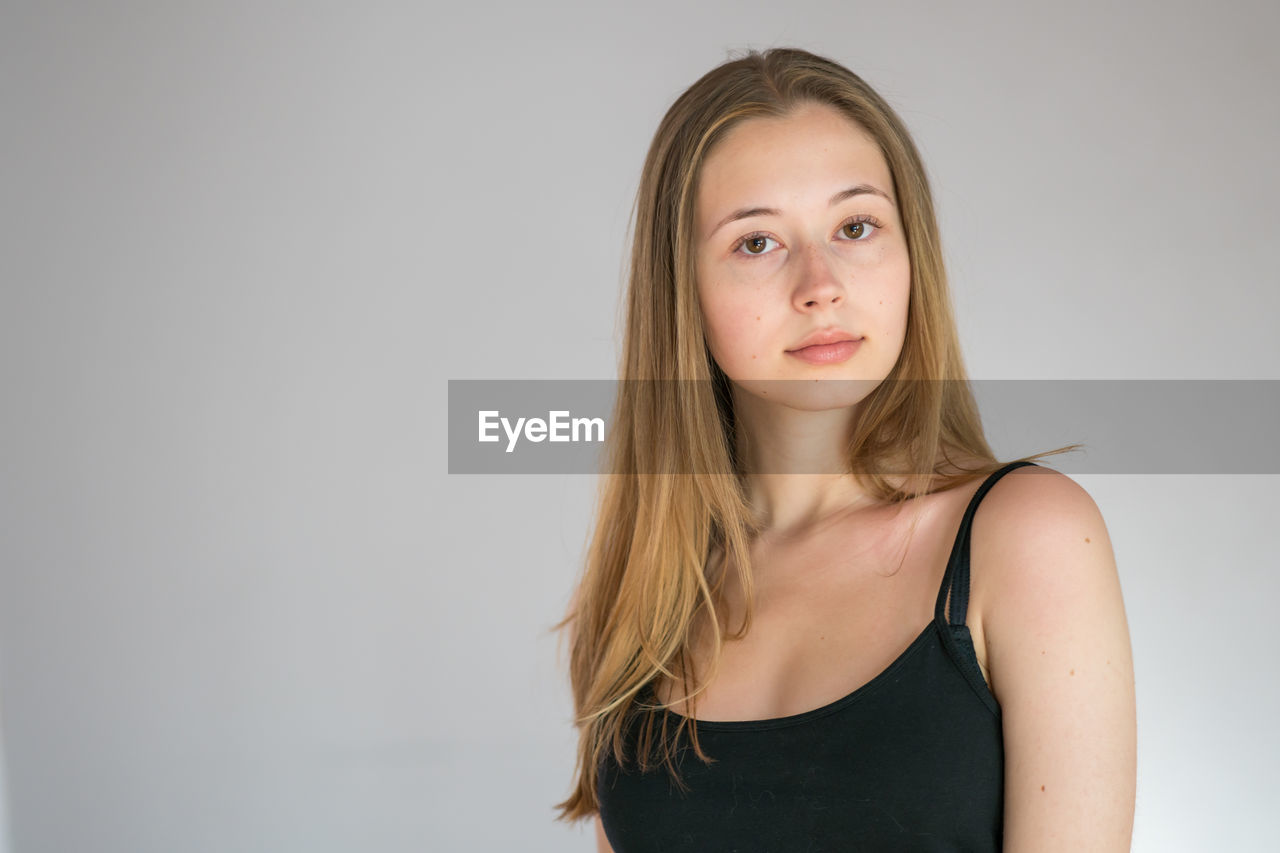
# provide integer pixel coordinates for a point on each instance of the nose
(818, 279)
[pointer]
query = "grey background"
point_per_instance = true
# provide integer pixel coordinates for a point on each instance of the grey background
(242, 604)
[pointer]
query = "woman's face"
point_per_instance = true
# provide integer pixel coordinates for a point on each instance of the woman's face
(798, 232)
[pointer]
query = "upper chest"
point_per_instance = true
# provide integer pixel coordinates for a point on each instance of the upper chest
(831, 612)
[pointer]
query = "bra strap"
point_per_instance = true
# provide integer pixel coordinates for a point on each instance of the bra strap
(956, 577)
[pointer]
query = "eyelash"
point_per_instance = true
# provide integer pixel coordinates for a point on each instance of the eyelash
(755, 235)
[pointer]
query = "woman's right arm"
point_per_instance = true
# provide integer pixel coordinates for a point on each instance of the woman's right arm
(602, 843)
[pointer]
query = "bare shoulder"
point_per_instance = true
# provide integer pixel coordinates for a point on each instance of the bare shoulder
(1032, 504)
(1057, 646)
(1040, 546)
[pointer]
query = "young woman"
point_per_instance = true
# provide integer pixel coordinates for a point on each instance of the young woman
(795, 629)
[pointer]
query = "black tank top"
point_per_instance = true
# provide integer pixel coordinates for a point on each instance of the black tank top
(913, 760)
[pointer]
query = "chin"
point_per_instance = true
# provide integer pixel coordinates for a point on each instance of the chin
(812, 395)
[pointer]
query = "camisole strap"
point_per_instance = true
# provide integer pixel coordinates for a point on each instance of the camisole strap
(956, 577)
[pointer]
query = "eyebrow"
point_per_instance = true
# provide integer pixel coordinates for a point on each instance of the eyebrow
(744, 213)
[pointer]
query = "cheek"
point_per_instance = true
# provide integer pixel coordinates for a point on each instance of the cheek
(734, 328)
(893, 297)
(892, 307)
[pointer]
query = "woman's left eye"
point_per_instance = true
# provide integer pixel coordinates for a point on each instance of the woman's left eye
(856, 229)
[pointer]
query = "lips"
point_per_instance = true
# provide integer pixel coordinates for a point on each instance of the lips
(824, 337)
(827, 353)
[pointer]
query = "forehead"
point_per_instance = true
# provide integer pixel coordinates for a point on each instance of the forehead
(790, 162)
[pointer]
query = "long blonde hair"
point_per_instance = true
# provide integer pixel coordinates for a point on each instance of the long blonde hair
(647, 573)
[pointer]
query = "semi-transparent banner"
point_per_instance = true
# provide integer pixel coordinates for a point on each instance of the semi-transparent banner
(1126, 426)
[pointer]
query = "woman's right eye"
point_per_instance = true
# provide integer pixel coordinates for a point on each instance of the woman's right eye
(754, 244)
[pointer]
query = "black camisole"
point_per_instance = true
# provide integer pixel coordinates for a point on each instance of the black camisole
(913, 760)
